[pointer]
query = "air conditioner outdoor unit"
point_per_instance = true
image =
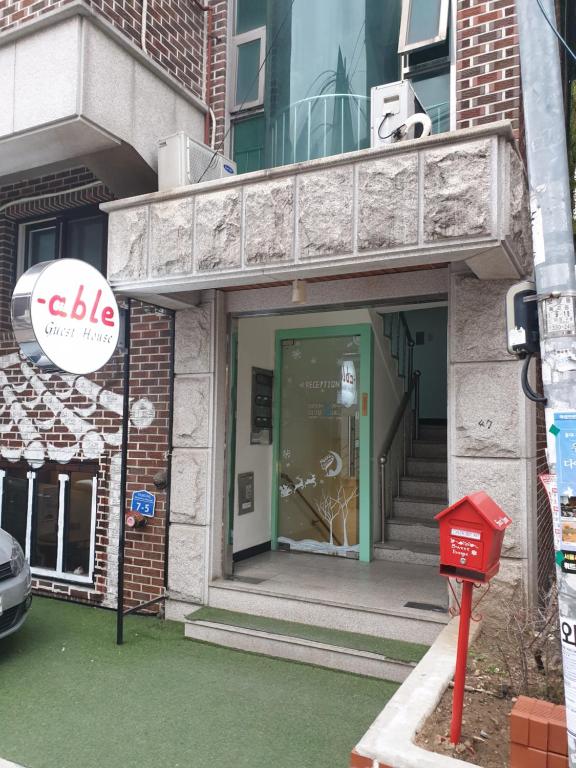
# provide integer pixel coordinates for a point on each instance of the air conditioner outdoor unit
(390, 107)
(182, 161)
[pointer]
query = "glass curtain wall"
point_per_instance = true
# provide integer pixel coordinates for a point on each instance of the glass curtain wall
(311, 97)
(327, 56)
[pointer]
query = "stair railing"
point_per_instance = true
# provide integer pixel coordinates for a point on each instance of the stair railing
(397, 446)
(408, 361)
(398, 333)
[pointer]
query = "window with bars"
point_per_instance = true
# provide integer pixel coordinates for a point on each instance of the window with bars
(51, 512)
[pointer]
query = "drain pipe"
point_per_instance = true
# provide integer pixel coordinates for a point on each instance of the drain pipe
(144, 25)
(168, 496)
(555, 279)
(209, 34)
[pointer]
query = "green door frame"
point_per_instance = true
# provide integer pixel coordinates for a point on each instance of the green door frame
(231, 436)
(364, 330)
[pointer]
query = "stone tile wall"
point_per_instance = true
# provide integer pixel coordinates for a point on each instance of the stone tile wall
(192, 462)
(433, 199)
(491, 441)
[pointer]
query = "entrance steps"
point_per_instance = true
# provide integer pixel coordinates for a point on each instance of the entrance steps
(422, 623)
(345, 651)
(407, 551)
(411, 534)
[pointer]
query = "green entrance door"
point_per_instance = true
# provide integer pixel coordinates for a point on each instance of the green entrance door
(322, 440)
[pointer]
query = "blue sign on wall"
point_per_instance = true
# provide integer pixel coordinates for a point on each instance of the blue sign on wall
(144, 503)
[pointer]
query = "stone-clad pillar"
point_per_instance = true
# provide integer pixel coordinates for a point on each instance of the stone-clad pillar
(193, 441)
(491, 443)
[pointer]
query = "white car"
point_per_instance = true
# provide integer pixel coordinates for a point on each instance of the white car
(15, 585)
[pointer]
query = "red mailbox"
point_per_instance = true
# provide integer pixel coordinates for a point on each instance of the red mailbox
(471, 534)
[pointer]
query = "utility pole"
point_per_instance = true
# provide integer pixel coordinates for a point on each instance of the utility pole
(556, 291)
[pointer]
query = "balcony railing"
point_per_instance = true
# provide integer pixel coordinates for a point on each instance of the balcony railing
(318, 126)
(328, 124)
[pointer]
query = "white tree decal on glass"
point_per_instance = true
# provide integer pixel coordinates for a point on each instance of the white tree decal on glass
(344, 502)
(327, 509)
(341, 506)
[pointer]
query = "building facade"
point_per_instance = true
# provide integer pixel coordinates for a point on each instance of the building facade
(318, 351)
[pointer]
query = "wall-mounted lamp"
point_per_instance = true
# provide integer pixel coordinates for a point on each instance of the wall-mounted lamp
(299, 292)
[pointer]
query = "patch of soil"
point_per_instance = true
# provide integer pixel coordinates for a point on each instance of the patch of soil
(485, 731)
(499, 668)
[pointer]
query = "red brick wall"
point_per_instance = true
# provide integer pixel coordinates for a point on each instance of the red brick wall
(150, 378)
(538, 734)
(150, 384)
(488, 63)
(175, 30)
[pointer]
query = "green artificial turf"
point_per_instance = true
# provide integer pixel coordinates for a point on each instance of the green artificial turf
(70, 697)
(391, 649)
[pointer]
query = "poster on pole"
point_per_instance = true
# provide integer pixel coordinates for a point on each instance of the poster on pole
(568, 641)
(565, 430)
(551, 488)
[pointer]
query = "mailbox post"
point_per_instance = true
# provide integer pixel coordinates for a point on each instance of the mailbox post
(471, 535)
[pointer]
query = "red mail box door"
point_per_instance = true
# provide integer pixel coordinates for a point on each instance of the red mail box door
(465, 546)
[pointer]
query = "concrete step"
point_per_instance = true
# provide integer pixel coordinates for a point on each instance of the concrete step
(422, 449)
(409, 624)
(413, 506)
(433, 432)
(407, 552)
(412, 529)
(428, 468)
(349, 652)
(423, 487)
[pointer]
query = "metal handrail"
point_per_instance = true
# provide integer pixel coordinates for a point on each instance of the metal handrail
(414, 385)
(404, 406)
(406, 328)
(290, 125)
(402, 344)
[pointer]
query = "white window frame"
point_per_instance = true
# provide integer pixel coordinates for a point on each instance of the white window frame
(58, 573)
(442, 32)
(248, 37)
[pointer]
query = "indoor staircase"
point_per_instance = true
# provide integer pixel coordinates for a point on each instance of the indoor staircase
(411, 534)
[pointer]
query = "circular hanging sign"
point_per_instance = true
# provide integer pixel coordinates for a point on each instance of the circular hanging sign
(65, 316)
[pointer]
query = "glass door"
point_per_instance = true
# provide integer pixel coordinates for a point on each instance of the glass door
(322, 422)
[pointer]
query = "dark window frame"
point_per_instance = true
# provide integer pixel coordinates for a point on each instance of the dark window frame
(61, 220)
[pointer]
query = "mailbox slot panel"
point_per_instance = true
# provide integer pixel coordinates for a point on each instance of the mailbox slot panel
(463, 573)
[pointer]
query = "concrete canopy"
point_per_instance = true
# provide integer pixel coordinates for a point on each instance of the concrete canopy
(96, 99)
